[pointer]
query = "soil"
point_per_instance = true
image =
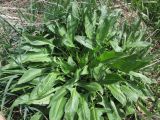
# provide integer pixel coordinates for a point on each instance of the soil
(9, 8)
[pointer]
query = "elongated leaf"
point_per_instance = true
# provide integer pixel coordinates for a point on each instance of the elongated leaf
(131, 95)
(72, 105)
(21, 100)
(93, 87)
(103, 26)
(43, 87)
(117, 93)
(43, 101)
(141, 76)
(109, 55)
(34, 57)
(85, 70)
(138, 44)
(36, 116)
(75, 9)
(112, 78)
(89, 28)
(68, 40)
(115, 46)
(38, 40)
(57, 109)
(129, 63)
(30, 75)
(94, 115)
(115, 110)
(84, 41)
(83, 111)
(59, 94)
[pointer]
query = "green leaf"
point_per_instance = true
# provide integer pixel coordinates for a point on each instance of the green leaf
(115, 46)
(117, 93)
(57, 108)
(84, 41)
(103, 26)
(71, 62)
(130, 110)
(94, 114)
(34, 57)
(137, 44)
(93, 87)
(36, 116)
(131, 95)
(41, 101)
(129, 63)
(30, 75)
(37, 40)
(75, 9)
(21, 100)
(44, 86)
(83, 111)
(141, 76)
(89, 28)
(85, 70)
(115, 110)
(98, 72)
(72, 105)
(112, 78)
(107, 55)
(68, 40)
(59, 94)
(66, 67)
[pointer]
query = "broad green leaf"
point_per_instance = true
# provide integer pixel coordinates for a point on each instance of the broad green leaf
(11, 65)
(94, 114)
(57, 109)
(103, 26)
(93, 87)
(30, 75)
(130, 110)
(131, 95)
(44, 86)
(34, 57)
(51, 27)
(66, 67)
(43, 101)
(77, 75)
(84, 41)
(30, 48)
(21, 100)
(129, 63)
(89, 28)
(68, 40)
(59, 94)
(36, 116)
(137, 44)
(75, 9)
(117, 93)
(38, 40)
(141, 76)
(112, 78)
(83, 111)
(115, 46)
(98, 72)
(85, 70)
(71, 29)
(107, 55)
(72, 105)
(115, 110)
(62, 31)
(71, 62)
